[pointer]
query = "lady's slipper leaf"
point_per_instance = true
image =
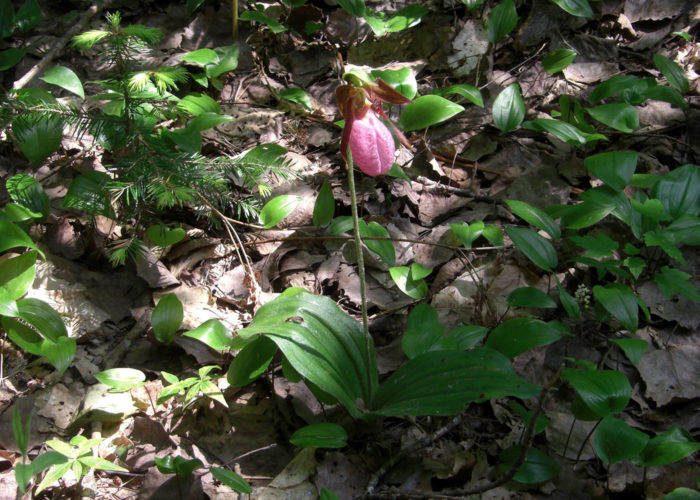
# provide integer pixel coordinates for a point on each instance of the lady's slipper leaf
(427, 110)
(277, 209)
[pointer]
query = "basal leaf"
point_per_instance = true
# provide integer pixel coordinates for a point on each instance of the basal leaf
(231, 479)
(469, 91)
(509, 108)
(251, 362)
(501, 21)
(530, 297)
(620, 116)
(517, 335)
(605, 392)
(673, 73)
(614, 440)
(383, 248)
(212, 333)
(580, 8)
(121, 378)
(42, 317)
(620, 301)
(426, 111)
(614, 168)
(557, 60)
(277, 209)
(321, 435)
(167, 318)
(535, 216)
(673, 445)
(535, 247)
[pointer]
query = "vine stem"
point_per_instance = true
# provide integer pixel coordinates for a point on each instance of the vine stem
(360, 257)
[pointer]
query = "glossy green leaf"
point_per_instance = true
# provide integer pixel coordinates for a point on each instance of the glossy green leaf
(557, 60)
(65, 78)
(402, 80)
(679, 191)
(469, 91)
(673, 73)
(673, 445)
(634, 349)
(12, 236)
(620, 116)
(612, 86)
(685, 230)
(414, 288)
(383, 248)
(38, 135)
(327, 495)
(321, 435)
(324, 208)
(42, 317)
(666, 94)
(88, 192)
(60, 354)
(467, 336)
(597, 246)
(54, 474)
(568, 302)
(535, 216)
(251, 362)
(322, 343)
(501, 21)
(683, 493)
(163, 236)
(298, 96)
(277, 209)
(28, 15)
(559, 129)
(201, 56)
(468, 233)
(614, 168)
(518, 335)
(535, 247)
(167, 318)
(530, 297)
(10, 57)
(254, 15)
(604, 392)
(100, 463)
(493, 235)
(25, 337)
(212, 333)
(580, 8)
(584, 215)
(341, 224)
(205, 121)
(426, 111)
(27, 191)
(228, 60)
(673, 281)
(231, 479)
(406, 18)
(16, 276)
(615, 441)
(443, 382)
(354, 7)
(423, 331)
(196, 103)
(621, 302)
(121, 378)
(509, 108)
(538, 467)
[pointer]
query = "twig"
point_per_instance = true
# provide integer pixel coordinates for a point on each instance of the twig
(60, 44)
(527, 440)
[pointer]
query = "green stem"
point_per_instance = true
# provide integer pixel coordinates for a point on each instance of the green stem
(358, 251)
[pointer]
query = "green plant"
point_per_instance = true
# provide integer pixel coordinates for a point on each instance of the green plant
(23, 20)
(192, 387)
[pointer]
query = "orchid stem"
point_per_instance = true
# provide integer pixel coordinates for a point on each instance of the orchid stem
(358, 251)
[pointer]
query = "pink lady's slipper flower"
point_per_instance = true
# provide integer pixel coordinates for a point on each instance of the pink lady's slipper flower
(371, 143)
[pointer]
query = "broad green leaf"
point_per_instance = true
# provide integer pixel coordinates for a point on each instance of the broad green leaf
(12, 236)
(212, 333)
(584, 215)
(167, 318)
(383, 248)
(7, 18)
(673, 281)
(42, 317)
(467, 233)
(673, 445)
(16, 276)
(324, 208)
(414, 288)
(467, 336)
(542, 421)
(205, 121)
(121, 378)
(423, 331)
(673, 73)
(88, 192)
(329, 495)
(231, 479)
(634, 349)
(28, 15)
(101, 463)
(402, 80)
(598, 246)
(620, 301)
(493, 235)
(228, 61)
(10, 57)
(196, 103)
(426, 111)
(184, 467)
(666, 94)
(254, 15)
(407, 17)
(469, 91)
(557, 60)
(614, 168)
(354, 7)
(530, 297)
(518, 335)
(620, 116)
(535, 216)
(612, 86)
(501, 21)
(322, 343)
(201, 56)
(38, 135)
(251, 362)
(321, 435)
(192, 5)
(604, 392)
(444, 382)
(163, 236)
(65, 78)
(568, 302)
(53, 475)
(535, 247)
(538, 467)
(559, 129)
(21, 430)
(580, 8)
(297, 95)
(60, 353)
(509, 108)
(277, 209)
(27, 191)
(22, 335)
(683, 493)
(615, 441)
(679, 191)
(341, 224)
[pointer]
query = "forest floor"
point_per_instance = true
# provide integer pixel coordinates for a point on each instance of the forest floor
(459, 172)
